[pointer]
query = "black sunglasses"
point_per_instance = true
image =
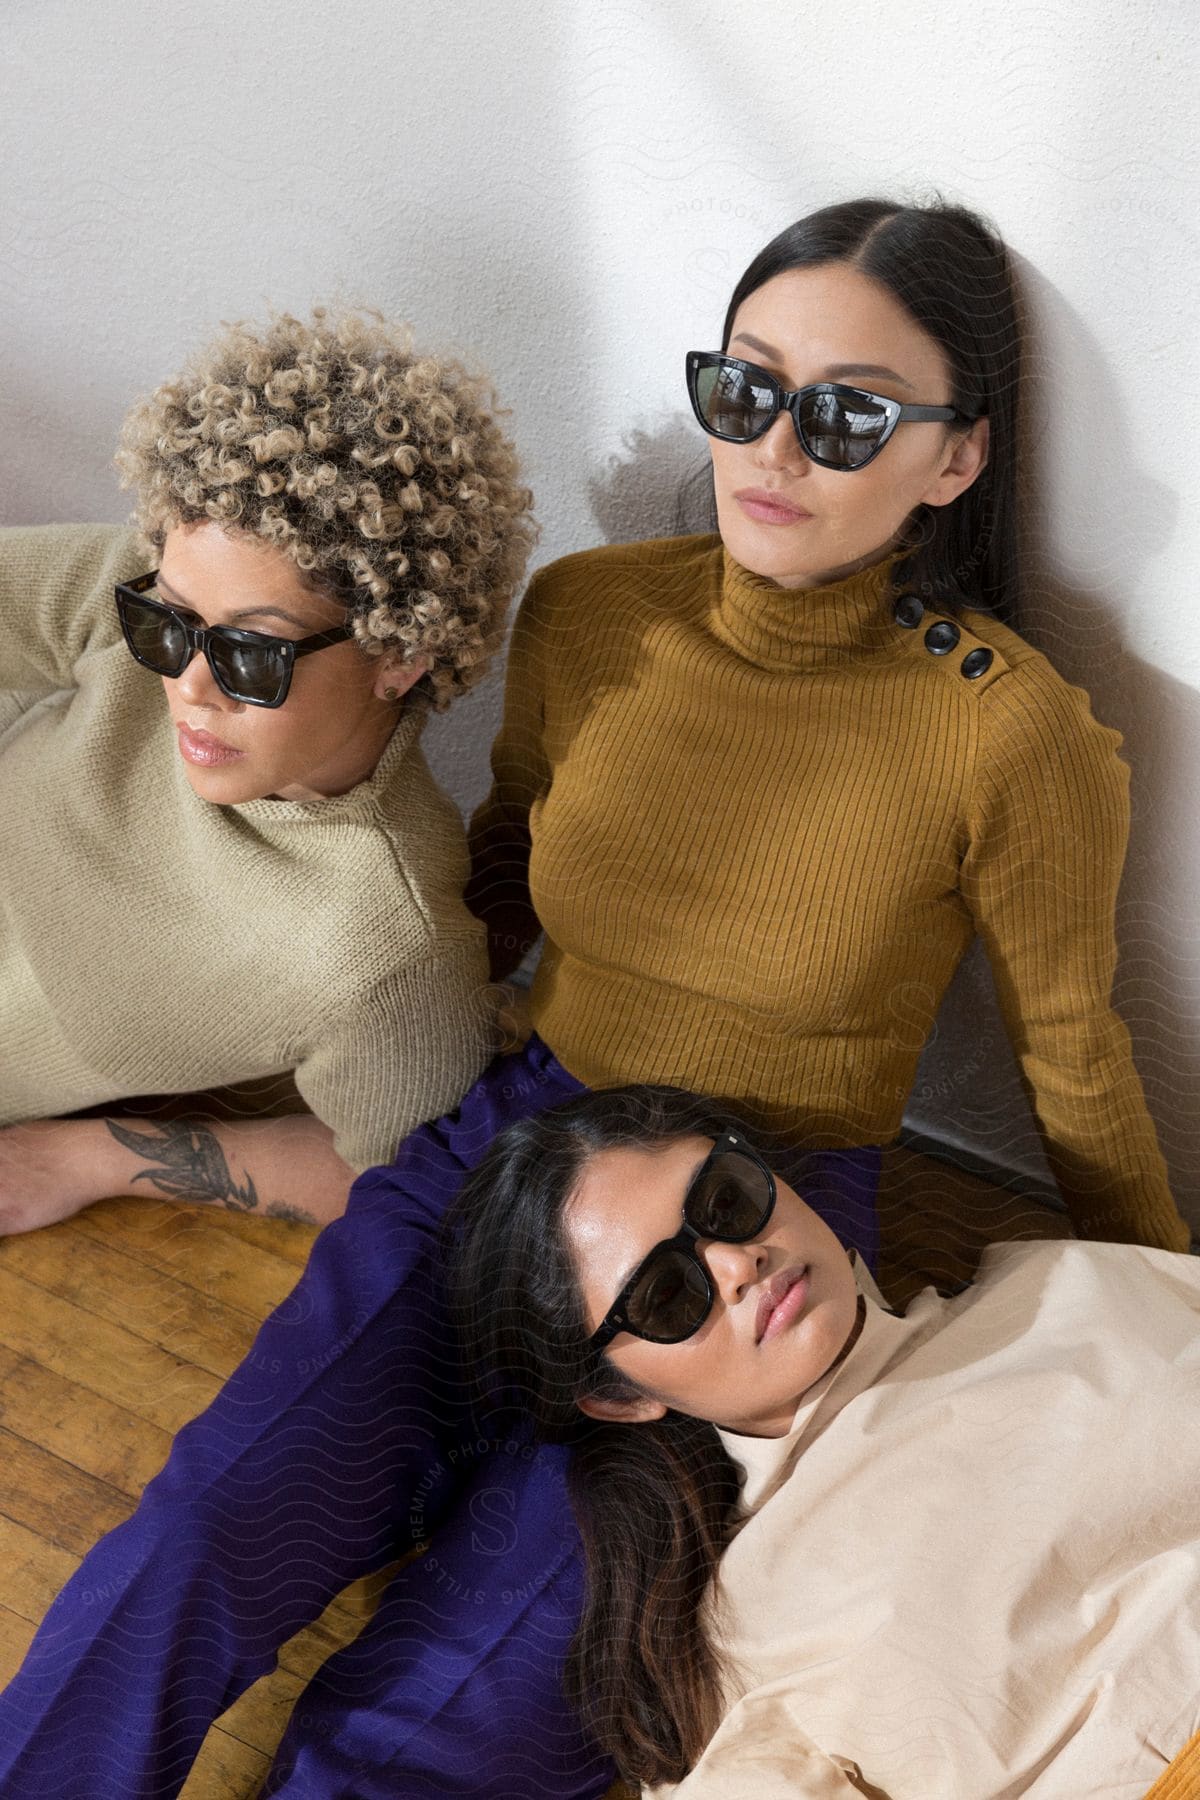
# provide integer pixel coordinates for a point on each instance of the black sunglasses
(838, 427)
(670, 1293)
(246, 665)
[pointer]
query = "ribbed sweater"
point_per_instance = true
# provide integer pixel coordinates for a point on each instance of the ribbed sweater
(760, 827)
(153, 943)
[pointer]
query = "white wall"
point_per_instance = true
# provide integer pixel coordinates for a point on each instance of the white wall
(567, 192)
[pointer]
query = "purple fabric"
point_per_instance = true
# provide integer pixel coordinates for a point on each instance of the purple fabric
(339, 1442)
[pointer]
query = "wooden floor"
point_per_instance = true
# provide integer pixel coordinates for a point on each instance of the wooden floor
(118, 1326)
(115, 1328)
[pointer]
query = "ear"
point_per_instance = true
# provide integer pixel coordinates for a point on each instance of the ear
(393, 678)
(622, 1412)
(966, 459)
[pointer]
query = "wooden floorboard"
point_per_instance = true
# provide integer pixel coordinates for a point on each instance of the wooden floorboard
(119, 1326)
(34, 1568)
(16, 1635)
(83, 1510)
(191, 1247)
(83, 1427)
(103, 1283)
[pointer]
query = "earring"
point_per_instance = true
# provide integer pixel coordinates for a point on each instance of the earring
(391, 693)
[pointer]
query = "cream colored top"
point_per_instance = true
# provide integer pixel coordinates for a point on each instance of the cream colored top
(153, 943)
(971, 1570)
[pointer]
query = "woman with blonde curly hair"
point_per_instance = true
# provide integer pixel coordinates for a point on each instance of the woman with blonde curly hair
(242, 871)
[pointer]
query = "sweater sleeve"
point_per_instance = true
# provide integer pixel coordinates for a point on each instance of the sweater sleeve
(405, 1054)
(498, 890)
(1048, 827)
(56, 600)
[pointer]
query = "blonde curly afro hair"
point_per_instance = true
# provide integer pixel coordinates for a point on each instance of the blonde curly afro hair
(382, 473)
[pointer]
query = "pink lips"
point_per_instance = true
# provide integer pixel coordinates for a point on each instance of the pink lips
(202, 748)
(783, 1300)
(769, 508)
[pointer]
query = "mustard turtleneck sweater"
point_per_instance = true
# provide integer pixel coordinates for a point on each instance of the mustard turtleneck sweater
(759, 828)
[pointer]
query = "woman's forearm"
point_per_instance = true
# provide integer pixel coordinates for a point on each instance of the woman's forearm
(271, 1168)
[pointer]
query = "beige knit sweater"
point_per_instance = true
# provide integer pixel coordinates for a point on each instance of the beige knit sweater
(152, 943)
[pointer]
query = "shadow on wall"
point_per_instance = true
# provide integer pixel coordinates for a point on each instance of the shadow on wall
(1121, 514)
(1158, 978)
(659, 485)
(1100, 500)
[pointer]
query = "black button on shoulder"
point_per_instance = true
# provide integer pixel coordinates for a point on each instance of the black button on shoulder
(976, 663)
(941, 637)
(908, 611)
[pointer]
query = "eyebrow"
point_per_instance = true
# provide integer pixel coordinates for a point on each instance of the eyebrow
(246, 612)
(835, 371)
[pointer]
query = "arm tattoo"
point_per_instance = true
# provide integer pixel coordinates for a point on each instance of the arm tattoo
(187, 1162)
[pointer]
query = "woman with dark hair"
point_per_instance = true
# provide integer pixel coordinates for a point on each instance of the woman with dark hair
(758, 789)
(832, 1550)
(761, 789)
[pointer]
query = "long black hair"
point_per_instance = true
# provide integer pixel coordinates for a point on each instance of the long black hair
(655, 1501)
(952, 274)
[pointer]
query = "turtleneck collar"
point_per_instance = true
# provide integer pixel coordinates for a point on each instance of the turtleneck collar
(789, 629)
(766, 1463)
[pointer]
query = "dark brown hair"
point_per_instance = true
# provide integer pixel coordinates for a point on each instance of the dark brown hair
(654, 1501)
(951, 273)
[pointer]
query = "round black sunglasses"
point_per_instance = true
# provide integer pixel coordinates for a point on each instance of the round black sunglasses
(246, 665)
(670, 1293)
(838, 427)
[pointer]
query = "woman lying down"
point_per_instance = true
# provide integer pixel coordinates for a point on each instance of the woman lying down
(833, 1551)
